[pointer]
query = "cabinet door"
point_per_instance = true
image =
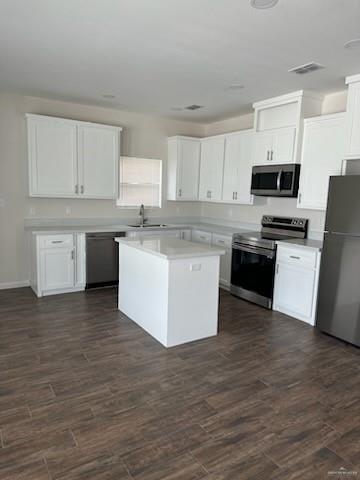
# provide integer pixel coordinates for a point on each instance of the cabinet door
(322, 155)
(211, 168)
(263, 144)
(238, 168)
(353, 121)
(98, 161)
(224, 242)
(283, 146)
(52, 151)
(294, 290)
(57, 269)
(188, 169)
(201, 237)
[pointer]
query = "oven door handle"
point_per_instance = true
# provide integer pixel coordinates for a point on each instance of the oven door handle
(278, 182)
(259, 251)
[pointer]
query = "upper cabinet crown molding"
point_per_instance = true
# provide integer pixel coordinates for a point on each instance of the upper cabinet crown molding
(72, 159)
(352, 150)
(278, 126)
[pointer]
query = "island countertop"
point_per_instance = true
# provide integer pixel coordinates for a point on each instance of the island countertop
(171, 248)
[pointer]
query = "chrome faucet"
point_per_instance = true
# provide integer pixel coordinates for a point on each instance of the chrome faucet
(143, 219)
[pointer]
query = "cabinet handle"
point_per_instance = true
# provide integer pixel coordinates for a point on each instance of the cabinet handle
(277, 268)
(221, 241)
(76, 188)
(210, 193)
(82, 189)
(235, 195)
(299, 197)
(294, 257)
(271, 156)
(179, 192)
(72, 254)
(57, 241)
(268, 154)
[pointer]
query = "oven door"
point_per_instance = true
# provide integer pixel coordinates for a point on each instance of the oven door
(252, 274)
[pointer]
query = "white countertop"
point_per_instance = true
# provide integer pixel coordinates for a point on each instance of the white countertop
(306, 242)
(171, 248)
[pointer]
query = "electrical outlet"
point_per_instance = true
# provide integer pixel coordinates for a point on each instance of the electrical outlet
(230, 212)
(68, 210)
(32, 211)
(195, 267)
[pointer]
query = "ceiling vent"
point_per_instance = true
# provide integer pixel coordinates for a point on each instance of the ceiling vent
(193, 107)
(306, 68)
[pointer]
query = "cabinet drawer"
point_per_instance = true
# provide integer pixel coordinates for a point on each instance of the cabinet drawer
(221, 240)
(300, 257)
(201, 237)
(56, 241)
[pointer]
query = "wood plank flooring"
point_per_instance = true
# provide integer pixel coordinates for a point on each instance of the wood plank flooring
(86, 394)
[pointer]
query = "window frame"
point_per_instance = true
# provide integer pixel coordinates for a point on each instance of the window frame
(160, 184)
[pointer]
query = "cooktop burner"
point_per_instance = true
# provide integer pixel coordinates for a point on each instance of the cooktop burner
(273, 230)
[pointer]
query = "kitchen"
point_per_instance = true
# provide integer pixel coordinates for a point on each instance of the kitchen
(240, 194)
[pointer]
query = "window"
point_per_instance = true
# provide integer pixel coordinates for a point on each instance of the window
(140, 182)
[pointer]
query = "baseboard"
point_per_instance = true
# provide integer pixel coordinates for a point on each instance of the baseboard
(8, 285)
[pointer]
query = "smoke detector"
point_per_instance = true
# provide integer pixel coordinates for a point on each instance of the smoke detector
(262, 4)
(306, 68)
(193, 107)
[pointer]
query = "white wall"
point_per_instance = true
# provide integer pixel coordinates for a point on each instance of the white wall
(143, 135)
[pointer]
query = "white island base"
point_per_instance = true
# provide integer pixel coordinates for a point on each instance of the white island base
(170, 288)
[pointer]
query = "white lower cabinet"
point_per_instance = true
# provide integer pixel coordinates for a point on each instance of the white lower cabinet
(58, 263)
(224, 242)
(217, 240)
(296, 282)
(201, 237)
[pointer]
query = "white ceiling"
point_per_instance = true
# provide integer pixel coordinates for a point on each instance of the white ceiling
(157, 54)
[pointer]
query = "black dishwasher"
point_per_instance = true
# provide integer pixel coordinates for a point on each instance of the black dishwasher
(102, 259)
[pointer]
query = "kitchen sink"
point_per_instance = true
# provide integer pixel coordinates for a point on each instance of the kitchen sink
(149, 225)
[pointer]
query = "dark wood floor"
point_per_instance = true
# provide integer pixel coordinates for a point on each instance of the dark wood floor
(86, 394)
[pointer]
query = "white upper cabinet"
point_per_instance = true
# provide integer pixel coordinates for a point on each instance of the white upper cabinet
(322, 154)
(352, 146)
(52, 151)
(98, 161)
(278, 127)
(72, 159)
(211, 168)
(183, 168)
(275, 146)
(238, 167)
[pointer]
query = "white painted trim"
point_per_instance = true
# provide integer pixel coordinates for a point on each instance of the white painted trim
(352, 79)
(8, 285)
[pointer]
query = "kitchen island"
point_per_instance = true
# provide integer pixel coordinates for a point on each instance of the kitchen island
(170, 287)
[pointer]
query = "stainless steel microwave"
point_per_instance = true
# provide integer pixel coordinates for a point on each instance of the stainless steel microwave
(276, 180)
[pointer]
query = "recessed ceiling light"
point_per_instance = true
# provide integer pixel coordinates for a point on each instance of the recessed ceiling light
(108, 96)
(352, 44)
(235, 86)
(262, 4)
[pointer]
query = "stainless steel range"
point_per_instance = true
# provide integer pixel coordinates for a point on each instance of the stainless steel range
(254, 257)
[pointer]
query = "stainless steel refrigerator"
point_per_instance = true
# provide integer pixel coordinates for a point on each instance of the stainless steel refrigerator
(339, 285)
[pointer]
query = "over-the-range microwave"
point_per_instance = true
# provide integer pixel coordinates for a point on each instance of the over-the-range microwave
(275, 180)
